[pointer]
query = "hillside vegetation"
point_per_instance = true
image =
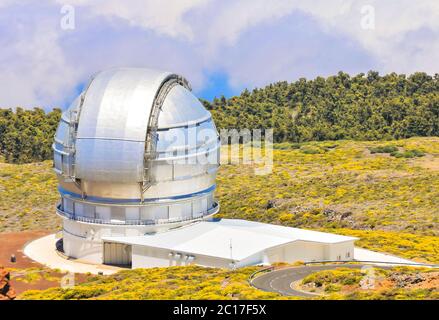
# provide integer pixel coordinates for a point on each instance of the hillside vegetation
(194, 282)
(162, 283)
(339, 185)
(377, 283)
(361, 107)
(28, 194)
(389, 202)
(27, 135)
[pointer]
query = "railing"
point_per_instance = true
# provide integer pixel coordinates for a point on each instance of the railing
(253, 275)
(75, 217)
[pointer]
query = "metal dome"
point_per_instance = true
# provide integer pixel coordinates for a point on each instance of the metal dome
(135, 148)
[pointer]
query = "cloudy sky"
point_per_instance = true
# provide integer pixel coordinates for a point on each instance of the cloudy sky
(49, 48)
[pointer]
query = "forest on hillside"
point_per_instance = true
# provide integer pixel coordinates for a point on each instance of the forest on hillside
(27, 135)
(361, 107)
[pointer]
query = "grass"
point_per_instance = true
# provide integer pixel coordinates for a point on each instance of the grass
(377, 283)
(28, 193)
(340, 187)
(194, 282)
(390, 203)
(162, 283)
(411, 246)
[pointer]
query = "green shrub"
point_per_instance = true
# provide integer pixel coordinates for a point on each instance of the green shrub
(311, 150)
(383, 149)
(408, 154)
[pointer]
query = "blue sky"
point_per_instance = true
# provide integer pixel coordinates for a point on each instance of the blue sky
(221, 46)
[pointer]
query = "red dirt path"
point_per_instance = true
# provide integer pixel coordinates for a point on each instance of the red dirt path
(13, 243)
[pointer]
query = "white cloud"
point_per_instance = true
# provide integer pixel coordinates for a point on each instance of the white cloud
(253, 42)
(164, 16)
(33, 69)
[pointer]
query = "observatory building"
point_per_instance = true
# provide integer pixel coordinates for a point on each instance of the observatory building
(136, 156)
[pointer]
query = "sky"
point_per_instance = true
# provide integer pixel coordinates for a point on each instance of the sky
(50, 48)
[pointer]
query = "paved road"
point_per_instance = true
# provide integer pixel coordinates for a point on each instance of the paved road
(279, 281)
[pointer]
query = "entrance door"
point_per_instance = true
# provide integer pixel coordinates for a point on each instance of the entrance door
(118, 254)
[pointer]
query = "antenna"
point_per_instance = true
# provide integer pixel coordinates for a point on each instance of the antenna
(231, 250)
(232, 264)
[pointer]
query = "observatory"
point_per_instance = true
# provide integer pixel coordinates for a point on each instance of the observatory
(136, 156)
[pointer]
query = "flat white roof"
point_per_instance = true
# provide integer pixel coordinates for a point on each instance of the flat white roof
(213, 238)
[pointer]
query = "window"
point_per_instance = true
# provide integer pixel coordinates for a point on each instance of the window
(161, 212)
(118, 213)
(58, 161)
(132, 213)
(89, 211)
(198, 208)
(175, 212)
(79, 209)
(146, 213)
(68, 205)
(186, 210)
(65, 164)
(103, 213)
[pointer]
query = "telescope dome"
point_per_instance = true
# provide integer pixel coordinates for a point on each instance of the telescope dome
(135, 148)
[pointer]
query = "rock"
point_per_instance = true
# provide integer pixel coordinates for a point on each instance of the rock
(346, 214)
(6, 292)
(270, 204)
(404, 280)
(299, 209)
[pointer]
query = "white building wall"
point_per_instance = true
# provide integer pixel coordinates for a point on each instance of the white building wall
(255, 259)
(309, 251)
(82, 248)
(296, 251)
(215, 262)
(83, 240)
(146, 257)
(341, 251)
(149, 257)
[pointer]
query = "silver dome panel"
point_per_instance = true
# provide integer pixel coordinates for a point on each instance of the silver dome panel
(172, 115)
(110, 140)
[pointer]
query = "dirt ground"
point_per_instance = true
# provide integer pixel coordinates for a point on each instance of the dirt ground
(13, 243)
(27, 274)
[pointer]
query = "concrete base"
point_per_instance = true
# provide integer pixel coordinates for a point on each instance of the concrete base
(43, 250)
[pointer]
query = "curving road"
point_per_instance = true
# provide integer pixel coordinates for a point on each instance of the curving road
(280, 281)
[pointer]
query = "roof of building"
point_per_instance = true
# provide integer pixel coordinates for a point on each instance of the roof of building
(214, 238)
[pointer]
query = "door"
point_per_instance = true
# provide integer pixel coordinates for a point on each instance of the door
(117, 254)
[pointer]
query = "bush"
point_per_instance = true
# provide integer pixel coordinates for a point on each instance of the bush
(408, 154)
(383, 149)
(311, 150)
